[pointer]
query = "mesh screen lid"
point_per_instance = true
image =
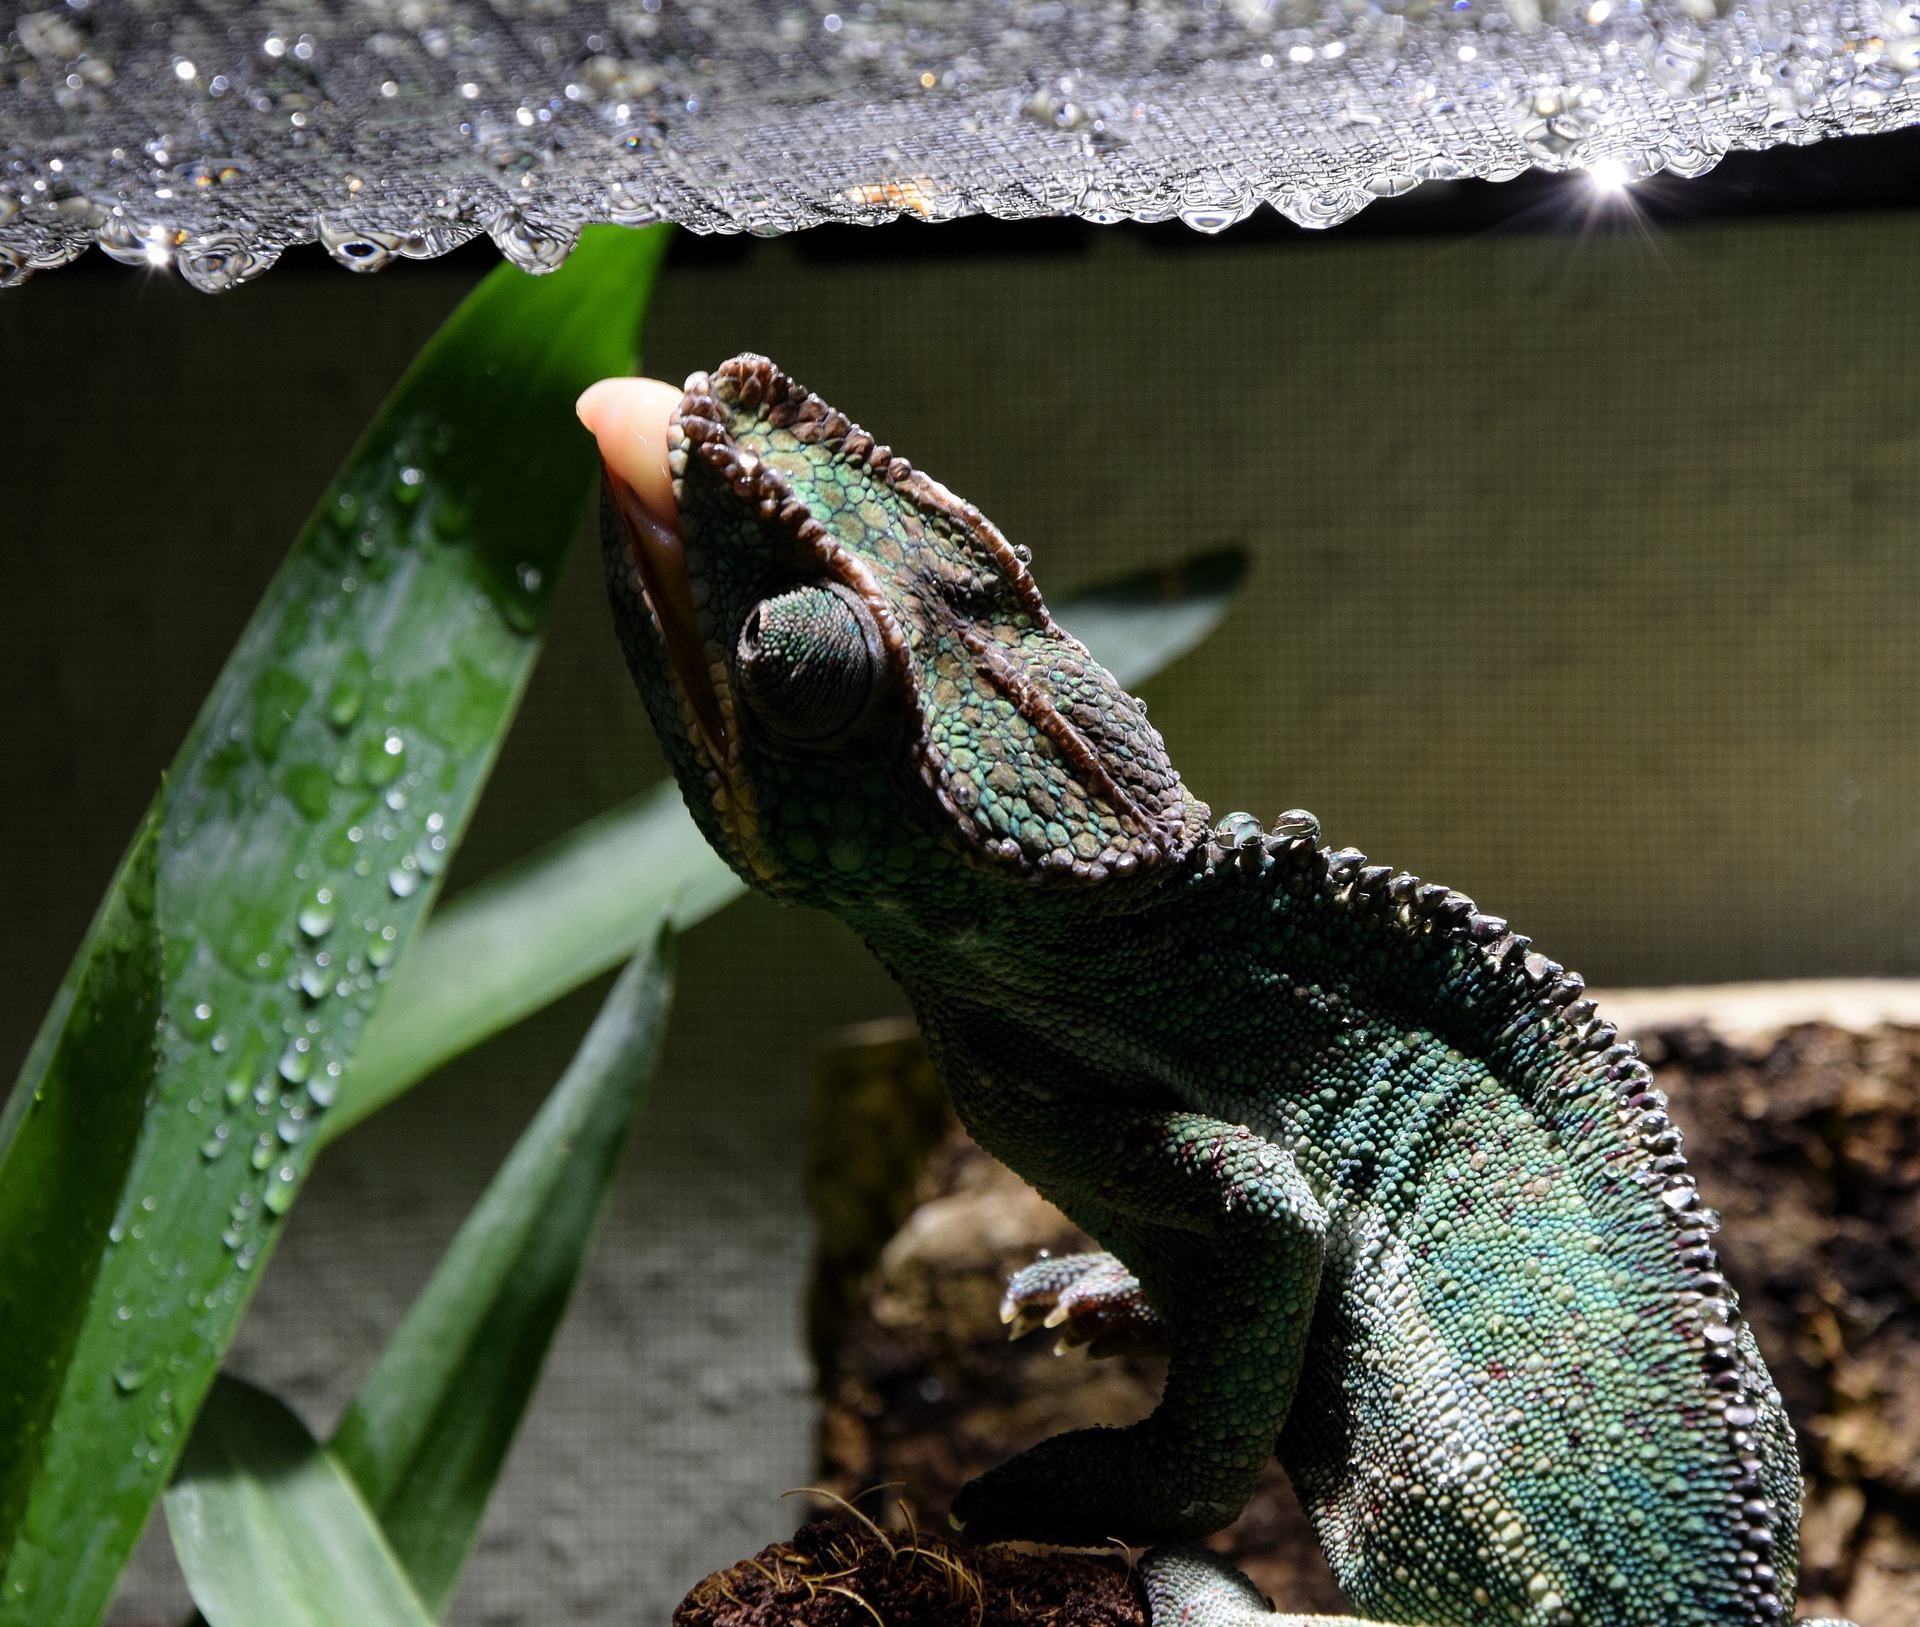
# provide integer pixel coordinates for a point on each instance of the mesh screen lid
(210, 134)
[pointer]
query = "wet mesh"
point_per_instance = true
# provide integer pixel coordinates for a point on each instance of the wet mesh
(211, 135)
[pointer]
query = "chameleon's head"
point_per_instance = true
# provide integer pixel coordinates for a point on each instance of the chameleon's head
(851, 670)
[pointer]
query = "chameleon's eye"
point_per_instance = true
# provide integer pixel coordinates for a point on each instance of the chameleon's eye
(808, 664)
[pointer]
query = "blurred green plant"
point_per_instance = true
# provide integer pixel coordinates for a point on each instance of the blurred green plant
(251, 988)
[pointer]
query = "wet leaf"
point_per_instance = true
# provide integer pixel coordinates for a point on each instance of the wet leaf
(65, 1143)
(282, 901)
(270, 1531)
(426, 1436)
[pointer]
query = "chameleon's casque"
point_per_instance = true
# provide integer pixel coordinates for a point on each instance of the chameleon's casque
(1373, 1172)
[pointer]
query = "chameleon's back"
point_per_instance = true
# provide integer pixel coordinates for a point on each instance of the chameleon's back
(1528, 1392)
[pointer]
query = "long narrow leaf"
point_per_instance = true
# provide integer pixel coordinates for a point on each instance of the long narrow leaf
(519, 940)
(1144, 621)
(66, 1140)
(319, 794)
(522, 938)
(426, 1436)
(270, 1530)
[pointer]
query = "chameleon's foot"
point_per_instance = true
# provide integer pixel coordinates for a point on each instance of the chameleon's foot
(1189, 1587)
(1092, 1299)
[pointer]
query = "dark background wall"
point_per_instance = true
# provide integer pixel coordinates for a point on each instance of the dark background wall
(1585, 580)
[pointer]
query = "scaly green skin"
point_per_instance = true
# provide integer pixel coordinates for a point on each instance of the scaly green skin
(1385, 1187)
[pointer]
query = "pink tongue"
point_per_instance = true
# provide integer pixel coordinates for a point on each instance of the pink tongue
(628, 417)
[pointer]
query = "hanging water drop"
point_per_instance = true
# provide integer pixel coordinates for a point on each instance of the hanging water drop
(131, 1377)
(316, 920)
(322, 1088)
(217, 1143)
(382, 756)
(296, 1061)
(280, 1190)
(403, 880)
(344, 701)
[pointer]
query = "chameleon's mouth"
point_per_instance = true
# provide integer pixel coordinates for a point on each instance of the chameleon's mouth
(660, 558)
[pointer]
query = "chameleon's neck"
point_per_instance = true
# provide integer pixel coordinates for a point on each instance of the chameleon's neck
(1071, 981)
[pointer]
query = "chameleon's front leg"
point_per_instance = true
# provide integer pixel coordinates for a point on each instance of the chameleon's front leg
(1226, 1238)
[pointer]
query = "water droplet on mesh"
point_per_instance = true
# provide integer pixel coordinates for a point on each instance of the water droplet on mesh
(1554, 120)
(1214, 218)
(1319, 210)
(535, 246)
(134, 244)
(217, 261)
(359, 250)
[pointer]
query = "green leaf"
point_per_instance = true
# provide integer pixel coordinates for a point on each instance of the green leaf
(271, 1531)
(427, 1434)
(65, 1143)
(1136, 625)
(519, 940)
(387, 656)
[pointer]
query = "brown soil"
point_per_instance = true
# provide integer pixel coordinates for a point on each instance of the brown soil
(839, 1573)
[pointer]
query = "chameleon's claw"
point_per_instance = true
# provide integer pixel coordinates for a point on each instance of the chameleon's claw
(1020, 1319)
(1058, 1314)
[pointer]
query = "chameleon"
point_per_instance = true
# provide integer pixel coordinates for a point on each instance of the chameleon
(1395, 1200)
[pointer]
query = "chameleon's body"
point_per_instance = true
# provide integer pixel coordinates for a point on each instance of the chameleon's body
(1384, 1186)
